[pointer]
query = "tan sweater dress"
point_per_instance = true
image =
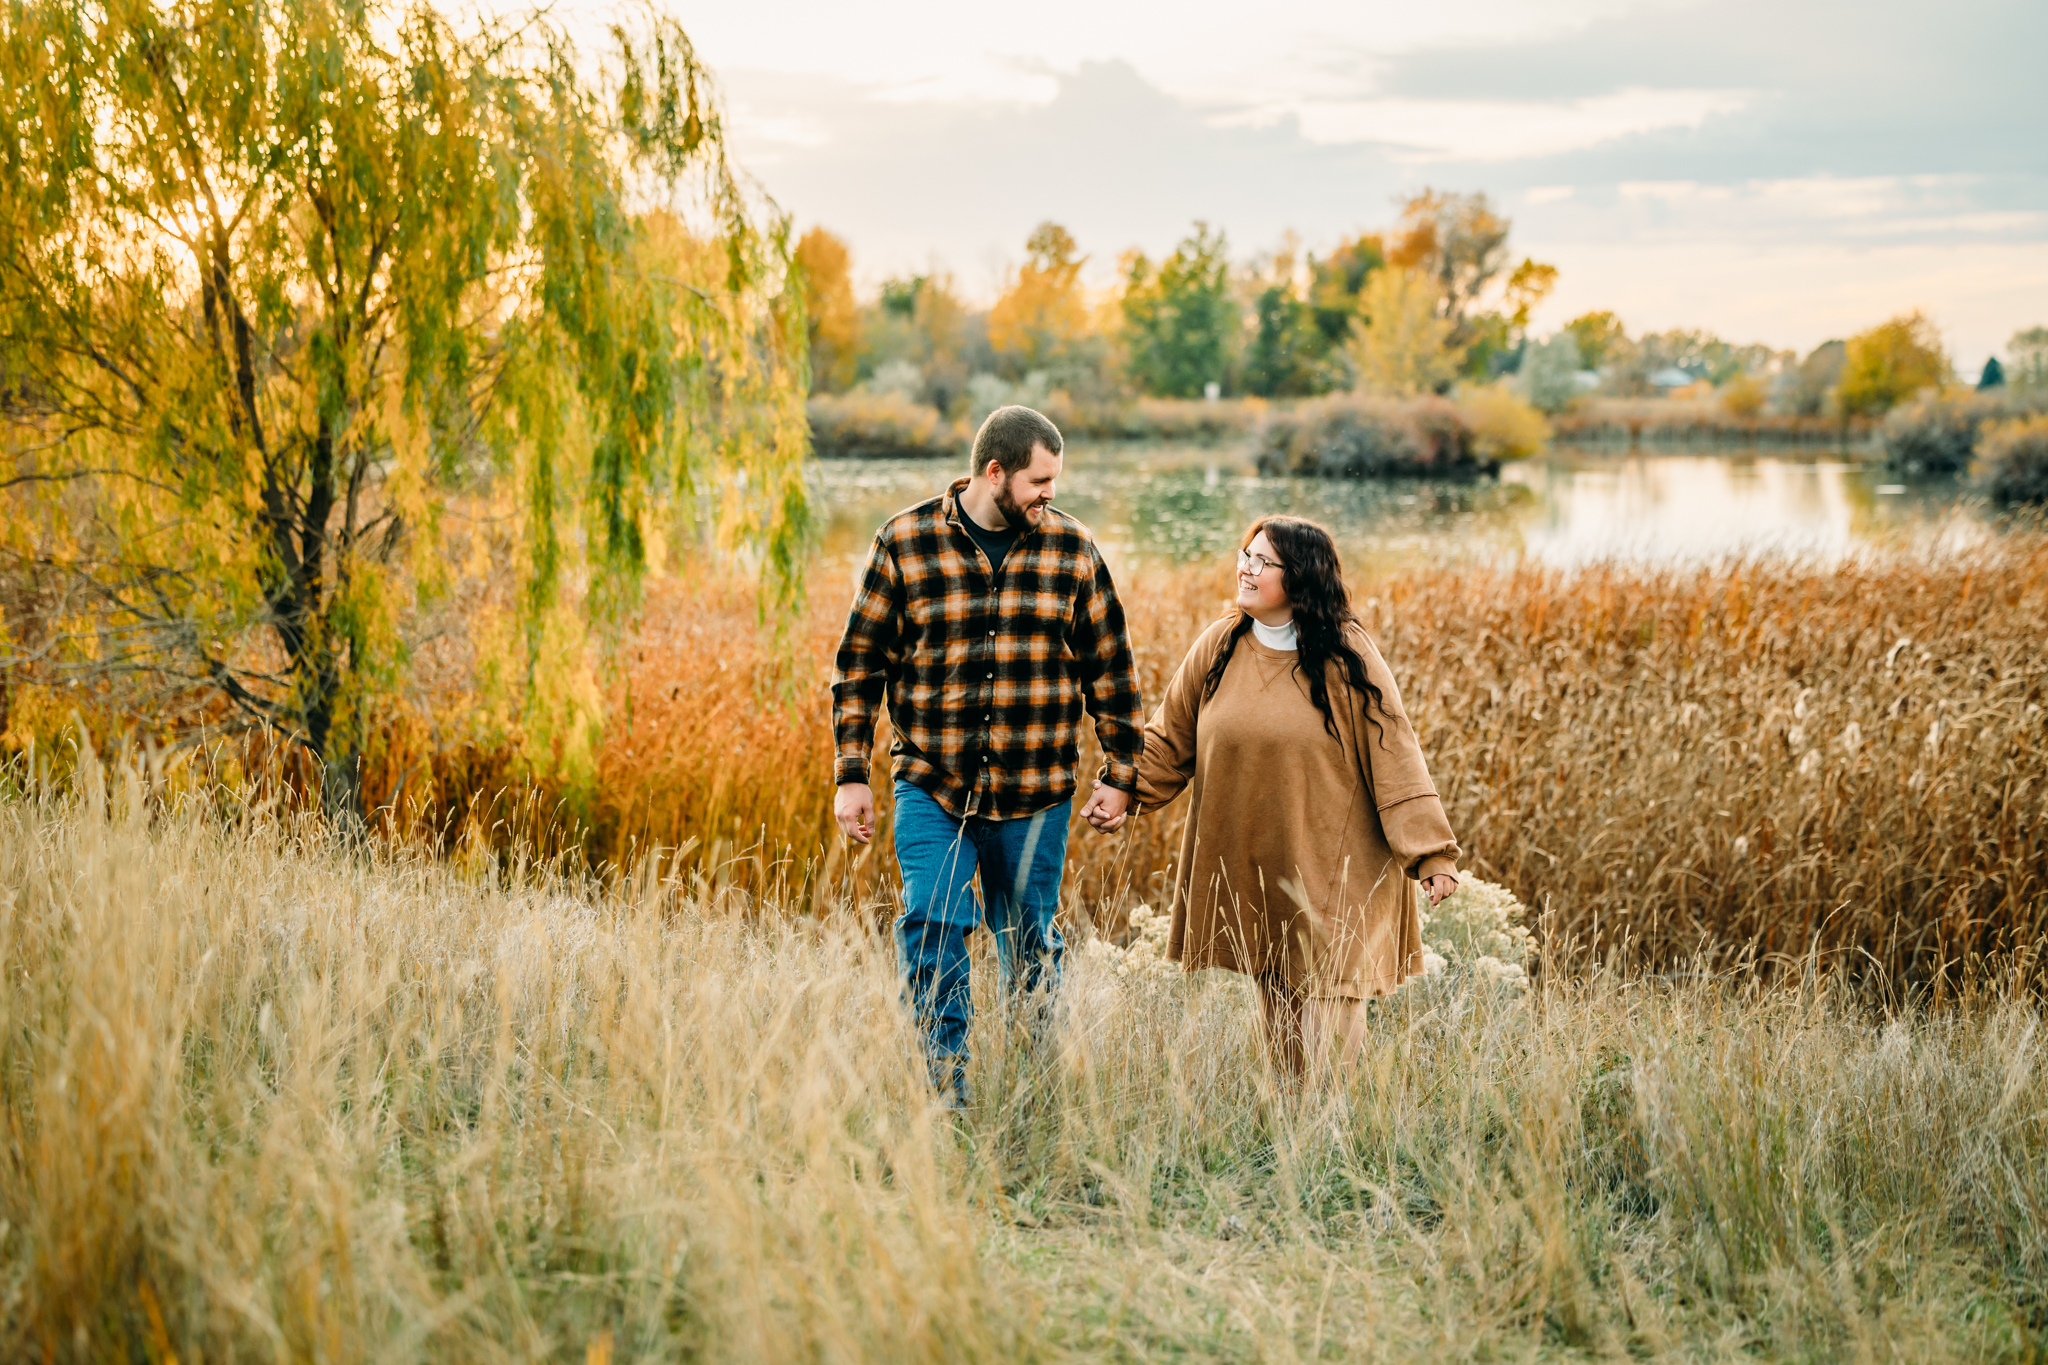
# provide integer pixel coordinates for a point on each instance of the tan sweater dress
(1302, 851)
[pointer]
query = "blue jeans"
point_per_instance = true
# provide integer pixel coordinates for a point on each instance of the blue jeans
(1020, 862)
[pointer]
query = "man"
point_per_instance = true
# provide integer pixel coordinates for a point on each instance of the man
(989, 621)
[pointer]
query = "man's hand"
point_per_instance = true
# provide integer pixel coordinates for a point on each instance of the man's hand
(1107, 809)
(854, 809)
(1437, 887)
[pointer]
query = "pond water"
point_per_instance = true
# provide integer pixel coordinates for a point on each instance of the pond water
(1175, 503)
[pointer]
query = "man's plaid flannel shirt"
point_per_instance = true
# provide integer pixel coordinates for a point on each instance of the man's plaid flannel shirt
(986, 680)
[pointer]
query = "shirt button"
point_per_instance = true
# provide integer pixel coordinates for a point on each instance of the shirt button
(991, 635)
(991, 674)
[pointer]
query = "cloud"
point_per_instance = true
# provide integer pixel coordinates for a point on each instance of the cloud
(1116, 160)
(1782, 172)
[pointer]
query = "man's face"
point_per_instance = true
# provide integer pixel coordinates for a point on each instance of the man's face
(1024, 496)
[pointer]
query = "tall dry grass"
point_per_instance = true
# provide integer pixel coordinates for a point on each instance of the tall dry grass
(1766, 758)
(270, 1097)
(1699, 421)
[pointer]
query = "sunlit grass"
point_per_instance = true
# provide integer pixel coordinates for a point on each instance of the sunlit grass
(271, 1097)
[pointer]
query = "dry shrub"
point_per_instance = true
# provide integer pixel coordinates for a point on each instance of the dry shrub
(1504, 425)
(2016, 461)
(863, 425)
(1345, 436)
(268, 1096)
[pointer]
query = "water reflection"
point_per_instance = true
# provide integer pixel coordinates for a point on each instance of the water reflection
(1180, 503)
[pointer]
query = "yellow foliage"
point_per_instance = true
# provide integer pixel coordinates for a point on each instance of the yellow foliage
(1504, 425)
(1743, 396)
(1399, 344)
(1528, 286)
(1891, 363)
(1045, 309)
(832, 314)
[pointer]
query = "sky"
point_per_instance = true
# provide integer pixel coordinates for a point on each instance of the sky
(1782, 171)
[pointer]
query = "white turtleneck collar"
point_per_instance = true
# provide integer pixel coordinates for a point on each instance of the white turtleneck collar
(1274, 637)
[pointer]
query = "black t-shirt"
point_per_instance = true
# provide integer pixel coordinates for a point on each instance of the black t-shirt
(995, 544)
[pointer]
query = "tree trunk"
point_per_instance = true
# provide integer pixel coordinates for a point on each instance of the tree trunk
(341, 792)
(337, 748)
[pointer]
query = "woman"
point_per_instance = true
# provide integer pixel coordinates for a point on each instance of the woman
(1312, 811)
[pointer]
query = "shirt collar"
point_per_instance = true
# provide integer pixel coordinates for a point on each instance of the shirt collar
(951, 510)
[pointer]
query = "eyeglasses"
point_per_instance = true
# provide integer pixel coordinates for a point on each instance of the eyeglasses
(1251, 565)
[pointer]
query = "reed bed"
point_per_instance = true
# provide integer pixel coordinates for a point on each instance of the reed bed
(1760, 759)
(1699, 421)
(270, 1096)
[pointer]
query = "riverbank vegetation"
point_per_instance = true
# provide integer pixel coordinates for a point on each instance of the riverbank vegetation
(272, 1094)
(1432, 305)
(1751, 762)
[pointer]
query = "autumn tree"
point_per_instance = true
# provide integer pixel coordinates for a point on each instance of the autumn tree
(1338, 278)
(1179, 319)
(2027, 353)
(1456, 241)
(1042, 316)
(1598, 335)
(1890, 363)
(1400, 345)
(1811, 384)
(284, 287)
(829, 309)
(920, 330)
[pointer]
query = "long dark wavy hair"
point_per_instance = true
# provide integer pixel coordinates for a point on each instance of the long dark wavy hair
(1313, 578)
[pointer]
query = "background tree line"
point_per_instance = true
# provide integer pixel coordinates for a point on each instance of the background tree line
(1435, 301)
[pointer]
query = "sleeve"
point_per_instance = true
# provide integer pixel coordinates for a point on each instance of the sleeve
(1168, 762)
(1108, 675)
(1411, 814)
(864, 664)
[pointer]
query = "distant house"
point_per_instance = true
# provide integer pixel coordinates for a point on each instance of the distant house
(1671, 377)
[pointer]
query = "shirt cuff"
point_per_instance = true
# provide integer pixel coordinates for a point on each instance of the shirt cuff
(1437, 866)
(849, 768)
(1121, 775)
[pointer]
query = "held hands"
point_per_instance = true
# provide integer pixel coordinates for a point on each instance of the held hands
(1439, 886)
(1107, 809)
(854, 809)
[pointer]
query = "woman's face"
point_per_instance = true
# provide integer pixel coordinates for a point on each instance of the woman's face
(1259, 589)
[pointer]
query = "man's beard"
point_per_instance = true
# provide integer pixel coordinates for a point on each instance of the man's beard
(1006, 503)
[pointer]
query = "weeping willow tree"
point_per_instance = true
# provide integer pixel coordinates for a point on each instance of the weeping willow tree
(284, 286)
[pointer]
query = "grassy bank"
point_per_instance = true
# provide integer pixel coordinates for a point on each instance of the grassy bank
(271, 1098)
(1699, 422)
(866, 425)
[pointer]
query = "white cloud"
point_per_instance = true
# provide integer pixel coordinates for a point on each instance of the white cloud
(1208, 51)
(1752, 168)
(1503, 130)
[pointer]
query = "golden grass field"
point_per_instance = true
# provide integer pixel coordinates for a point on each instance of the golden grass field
(1778, 1089)
(273, 1098)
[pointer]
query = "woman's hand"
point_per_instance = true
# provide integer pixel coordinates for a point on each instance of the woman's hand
(1439, 886)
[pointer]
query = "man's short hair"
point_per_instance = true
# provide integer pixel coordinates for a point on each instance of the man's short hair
(1009, 435)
